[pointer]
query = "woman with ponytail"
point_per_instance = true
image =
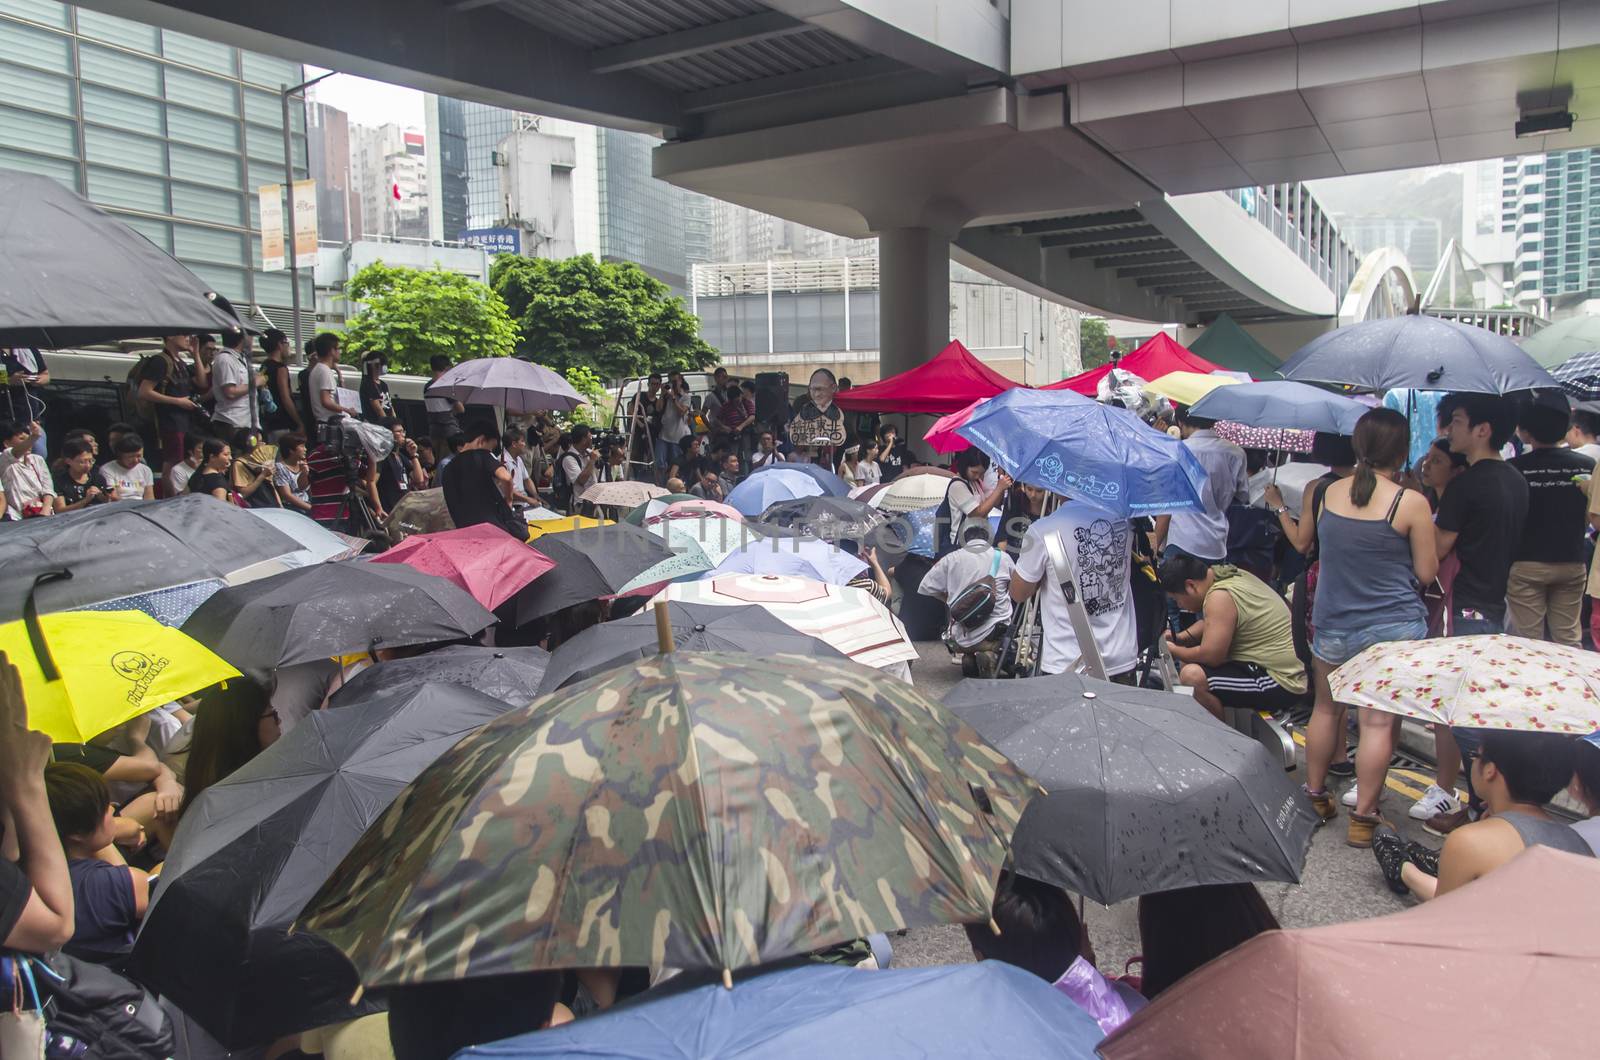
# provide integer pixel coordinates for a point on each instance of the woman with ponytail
(1377, 551)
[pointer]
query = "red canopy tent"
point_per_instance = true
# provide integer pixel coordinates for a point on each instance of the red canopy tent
(950, 382)
(1152, 360)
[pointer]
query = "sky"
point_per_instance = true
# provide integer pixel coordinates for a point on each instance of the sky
(368, 102)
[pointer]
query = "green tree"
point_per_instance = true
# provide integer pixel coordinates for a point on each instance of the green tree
(611, 317)
(1094, 342)
(596, 409)
(412, 314)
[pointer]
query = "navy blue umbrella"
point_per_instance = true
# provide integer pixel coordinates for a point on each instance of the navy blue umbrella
(1417, 351)
(832, 485)
(1101, 454)
(814, 1010)
(1283, 404)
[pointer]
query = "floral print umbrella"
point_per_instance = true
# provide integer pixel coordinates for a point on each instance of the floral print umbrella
(1491, 682)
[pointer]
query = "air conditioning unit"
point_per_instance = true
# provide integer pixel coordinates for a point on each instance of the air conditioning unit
(499, 158)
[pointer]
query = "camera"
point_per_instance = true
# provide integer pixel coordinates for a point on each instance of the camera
(604, 440)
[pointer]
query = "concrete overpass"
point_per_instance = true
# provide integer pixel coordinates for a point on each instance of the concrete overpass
(1053, 143)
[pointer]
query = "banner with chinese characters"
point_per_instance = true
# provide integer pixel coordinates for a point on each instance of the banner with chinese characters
(271, 199)
(305, 223)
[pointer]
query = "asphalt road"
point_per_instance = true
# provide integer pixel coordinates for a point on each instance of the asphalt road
(1340, 883)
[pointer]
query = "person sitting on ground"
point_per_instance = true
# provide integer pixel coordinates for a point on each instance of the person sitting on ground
(232, 725)
(430, 1021)
(253, 467)
(1241, 651)
(77, 434)
(674, 485)
(874, 580)
(477, 489)
(1515, 774)
(109, 897)
(212, 477)
(36, 904)
(127, 477)
(1585, 788)
(1181, 930)
(178, 475)
(766, 452)
(963, 575)
(428, 461)
(730, 472)
(74, 483)
(291, 473)
(24, 475)
(709, 487)
(1036, 929)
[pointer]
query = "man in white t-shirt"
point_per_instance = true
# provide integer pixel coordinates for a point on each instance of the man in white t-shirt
(974, 563)
(1204, 534)
(230, 383)
(324, 380)
(1099, 547)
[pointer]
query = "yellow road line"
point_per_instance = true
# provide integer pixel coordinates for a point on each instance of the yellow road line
(1391, 781)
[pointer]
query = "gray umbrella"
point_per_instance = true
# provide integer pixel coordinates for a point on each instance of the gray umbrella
(1421, 352)
(510, 383)
(332, 609)
(511, 675)
(131, 547)
(72, 274)
(1284, 404)
(1147, 791)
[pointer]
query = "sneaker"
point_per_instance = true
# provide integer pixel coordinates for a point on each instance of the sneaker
(1434, 801)
(1322, 805)
(1361, 829)
(1391, 853)
(1445, 823)
(1349, 797)
(1424, 858)
(1343, 769)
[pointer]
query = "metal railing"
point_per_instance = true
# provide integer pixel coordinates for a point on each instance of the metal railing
(1292, 214)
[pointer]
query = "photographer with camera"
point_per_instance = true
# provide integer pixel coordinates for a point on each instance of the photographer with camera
(676, 413)
(575, 468)
(396, 474)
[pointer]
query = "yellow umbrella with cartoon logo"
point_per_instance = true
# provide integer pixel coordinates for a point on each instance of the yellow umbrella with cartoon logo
(84, 672)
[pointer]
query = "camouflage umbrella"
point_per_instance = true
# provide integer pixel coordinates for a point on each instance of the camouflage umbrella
(693, 810)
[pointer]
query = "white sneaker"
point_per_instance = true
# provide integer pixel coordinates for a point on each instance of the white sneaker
(1349, 796)
(1434, 801)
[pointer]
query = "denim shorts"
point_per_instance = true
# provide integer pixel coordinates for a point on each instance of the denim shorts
(1338, 646)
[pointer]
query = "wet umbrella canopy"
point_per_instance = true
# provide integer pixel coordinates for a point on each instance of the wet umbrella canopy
(807, 1011)
(1147, 791)
(832, 485)
(508, 674)
(830, 518)
(696, 810)
(254, 847)
(72, 274)
(116, 550)
(331, 609)
(1417, 351)
(695, 627)
(590, 563)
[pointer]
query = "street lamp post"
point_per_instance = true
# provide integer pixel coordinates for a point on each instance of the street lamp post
(284, 95)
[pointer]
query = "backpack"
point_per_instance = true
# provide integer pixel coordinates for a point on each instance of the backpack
(303, 378)
(94, 1013)
(974, 605)
(560, 485)
(145, 410)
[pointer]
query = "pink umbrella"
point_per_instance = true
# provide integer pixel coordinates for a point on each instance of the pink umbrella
(942, 435)
(484, 560)
(691, 509)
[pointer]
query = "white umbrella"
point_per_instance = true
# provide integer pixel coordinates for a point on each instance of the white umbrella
(515, 385)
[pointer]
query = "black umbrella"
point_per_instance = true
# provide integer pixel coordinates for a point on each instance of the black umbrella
(116, 550)
(830, 518)
(332, 609)
(695, 627)
(508, 674)
(72, 274)
(1147, 791)
(590, 563)
(1416, 351)
(254, 848)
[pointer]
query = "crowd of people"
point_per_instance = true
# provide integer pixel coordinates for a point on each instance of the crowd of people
(1253, 602)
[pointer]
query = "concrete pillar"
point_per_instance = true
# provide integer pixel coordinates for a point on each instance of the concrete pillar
(914, 293)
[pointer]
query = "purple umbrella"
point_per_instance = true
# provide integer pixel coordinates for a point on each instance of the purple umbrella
(506, 382)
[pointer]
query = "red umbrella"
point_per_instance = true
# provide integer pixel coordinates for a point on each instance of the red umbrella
(484, 560)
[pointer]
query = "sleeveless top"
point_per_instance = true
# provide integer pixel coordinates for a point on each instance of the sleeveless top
(1263, 634)
(1536, 831)
(1366, 574)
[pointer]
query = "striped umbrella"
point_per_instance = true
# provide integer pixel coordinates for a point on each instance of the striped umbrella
(847, 619)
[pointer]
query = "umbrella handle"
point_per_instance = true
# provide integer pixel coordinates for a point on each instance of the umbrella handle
(663, 627)
(30, 619)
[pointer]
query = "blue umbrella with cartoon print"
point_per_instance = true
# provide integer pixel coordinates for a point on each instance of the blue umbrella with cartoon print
(1101, 454)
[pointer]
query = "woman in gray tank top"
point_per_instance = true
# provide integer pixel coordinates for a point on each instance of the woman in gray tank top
(1376, 547)
(1516, 773)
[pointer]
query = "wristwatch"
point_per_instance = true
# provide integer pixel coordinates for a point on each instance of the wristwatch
(1279, 510)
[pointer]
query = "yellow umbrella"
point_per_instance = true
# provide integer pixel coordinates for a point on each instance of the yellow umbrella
(540, 527)
(112, 666)
(1186, 387)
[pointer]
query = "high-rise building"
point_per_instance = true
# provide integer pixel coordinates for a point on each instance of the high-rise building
(1419, 237)
(485, 126)
(1535, 221)
(742, 234)
(169, 132)
(390, 168)
(338, 198)
(445, 130)
(536, 180)
(1570, 237)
